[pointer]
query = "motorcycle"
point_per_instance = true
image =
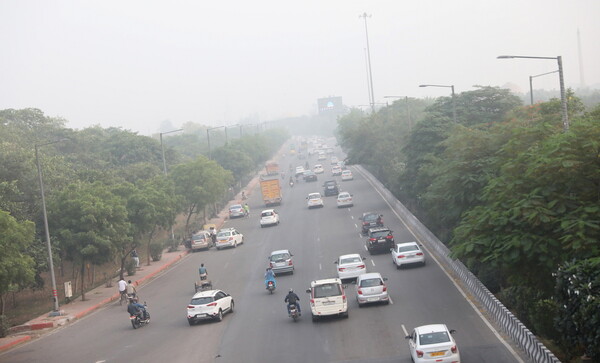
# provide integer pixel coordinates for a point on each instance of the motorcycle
(294, 312)
(271, 286)
(138, 320)
(291, 184)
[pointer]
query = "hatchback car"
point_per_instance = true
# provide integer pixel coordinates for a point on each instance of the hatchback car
(407, 253)
(237, 210)
(336, 171)
(327, 297)
(209, 304)
(369, 220)
(229, 237)
(269, 217)
(318, 169)
(309, 176)
(330, 188)
(344, 199)
(281, 261)
(433, 343)
(200, 240)
(314, 200)
(350, 266)
(347, 175)
(371, 288)
(379, 239)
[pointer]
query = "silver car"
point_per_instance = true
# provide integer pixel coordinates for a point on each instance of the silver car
(371, 288)
(281, 261)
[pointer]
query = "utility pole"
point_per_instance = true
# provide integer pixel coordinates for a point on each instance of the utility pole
(372, 100)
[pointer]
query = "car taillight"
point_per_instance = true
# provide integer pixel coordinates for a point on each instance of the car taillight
(191, 306)
(401, 256)
(231, 238)
(366, 223)
(360, 291)
(419, 353)
(290, 263)
(390, 237)
(212, 304)
(312, 301)
(372, 239)
(419, 253)
(344, 297)
(453, 349)
(341, 269)
(384, 288)
(362, 266)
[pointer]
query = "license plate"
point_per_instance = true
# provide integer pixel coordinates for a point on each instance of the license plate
(436, 354)
(372, 299)
(328, 302)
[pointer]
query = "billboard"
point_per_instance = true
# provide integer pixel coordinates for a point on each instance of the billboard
(330, 106)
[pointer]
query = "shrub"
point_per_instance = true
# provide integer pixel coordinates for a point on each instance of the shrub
(4, 326)
(130, 267)
(156, 250)
(172, 244)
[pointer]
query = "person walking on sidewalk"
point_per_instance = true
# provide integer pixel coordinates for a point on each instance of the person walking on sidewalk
(136, 258)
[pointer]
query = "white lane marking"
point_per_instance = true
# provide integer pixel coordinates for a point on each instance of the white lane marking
(458, 287)
(372, 262)
(351, 216)
(318, 239)
(391, 302)
(355, 225)
(404, 329)
(365, 248)
(320, 267)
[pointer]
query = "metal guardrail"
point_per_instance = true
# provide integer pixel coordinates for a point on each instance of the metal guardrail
(518, 332)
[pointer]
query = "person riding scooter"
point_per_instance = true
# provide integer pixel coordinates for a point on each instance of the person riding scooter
(270, 276)
(292, 299)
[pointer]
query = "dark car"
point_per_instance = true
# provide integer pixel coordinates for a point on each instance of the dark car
(380, 239)
(310, 176)
(369, 220)
(331, 188)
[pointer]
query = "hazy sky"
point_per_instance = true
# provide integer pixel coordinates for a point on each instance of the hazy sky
(137, 63)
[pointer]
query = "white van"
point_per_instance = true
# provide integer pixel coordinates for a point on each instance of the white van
(327, 297)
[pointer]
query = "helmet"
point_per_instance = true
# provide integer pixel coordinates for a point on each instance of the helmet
(291, 290)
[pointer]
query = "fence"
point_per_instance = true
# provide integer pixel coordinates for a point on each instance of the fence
(502, 316)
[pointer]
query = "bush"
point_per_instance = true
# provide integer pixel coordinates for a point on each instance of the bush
(130, 267)
(4, 326)
(156, 250)
(172, 244)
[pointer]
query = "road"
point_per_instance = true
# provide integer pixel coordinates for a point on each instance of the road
(259, 329)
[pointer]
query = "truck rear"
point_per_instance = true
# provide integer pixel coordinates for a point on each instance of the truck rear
(270, 189)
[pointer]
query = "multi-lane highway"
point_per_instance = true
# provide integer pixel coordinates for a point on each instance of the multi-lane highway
(259, 330)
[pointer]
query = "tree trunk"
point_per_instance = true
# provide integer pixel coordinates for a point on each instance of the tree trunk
(82, 280)
(2, 304)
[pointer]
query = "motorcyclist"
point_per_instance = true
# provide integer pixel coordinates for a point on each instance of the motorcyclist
(203, 272)
(131, 290)
(292, 299)
(135, 308)
(380, 220)
(270, 276)
(291, 180)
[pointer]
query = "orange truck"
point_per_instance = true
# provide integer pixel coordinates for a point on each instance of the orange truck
(270, 189)
(272, 168)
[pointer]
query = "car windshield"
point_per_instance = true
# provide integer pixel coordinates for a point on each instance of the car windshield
(266, 214)
(224, 234)
(237, 206)
(198, 237)
(408, 248)
(203, 300)
(280, 257)
(434, 338)
(327, 290)
(346, 172)
(371, 282)
(380, 234)
(330, 183)
(314, 196)
(370, 217)
(343, 195)
(346, 260)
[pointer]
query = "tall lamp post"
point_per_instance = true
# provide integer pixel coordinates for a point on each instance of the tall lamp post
(531, 83)
(407, 109)
(561, 79)
(371, 93)
(453, 96)
(56, 311)
(162, 149)
(208, 138)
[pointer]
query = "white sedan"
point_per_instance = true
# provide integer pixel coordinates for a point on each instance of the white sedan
(407, 253)
(229, 237)
(350, 266)
(269, 217)
(433, 343)
(344, 199)
(318, 169)
(347, 175)
(210, 304)
(314, 200)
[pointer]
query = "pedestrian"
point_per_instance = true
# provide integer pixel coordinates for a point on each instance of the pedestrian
(247, 210)
(136, 258)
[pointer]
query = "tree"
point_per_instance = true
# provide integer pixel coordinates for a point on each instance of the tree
(87, 218)
(17, 268)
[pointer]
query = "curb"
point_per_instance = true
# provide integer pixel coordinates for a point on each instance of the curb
(15, 342)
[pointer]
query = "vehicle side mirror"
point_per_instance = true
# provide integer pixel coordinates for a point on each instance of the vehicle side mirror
(408, 337)
(385, 279)
(364, 258)
(308, 291)
(335, 262)
(452, 331)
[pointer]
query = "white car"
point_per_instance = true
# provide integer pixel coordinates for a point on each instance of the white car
(229, 237)
(314, 200)
(433, 343)
(299, 170)
(334, 160)
(336, 170)
(318, 169)
(347, 175)
(322, 156)
(269, 217)
(210, 304)
(407, 253)
(327, 297)
(371, 288)
(350, 266)
(344, 199)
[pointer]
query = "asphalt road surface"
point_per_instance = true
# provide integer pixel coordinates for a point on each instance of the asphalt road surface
(259, 330)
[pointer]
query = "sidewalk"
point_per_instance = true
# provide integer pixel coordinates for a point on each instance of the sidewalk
(102, 295)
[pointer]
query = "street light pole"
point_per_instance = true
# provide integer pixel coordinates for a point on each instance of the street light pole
(531, 83)
(563, 97)
(453, 96)
(162, 149)
(56, 311)
(372, 100)
(208, 138)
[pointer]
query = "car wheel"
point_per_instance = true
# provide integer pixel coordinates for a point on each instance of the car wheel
(423, 262)
(359, 304)
(191, 322)
(231, 306)
(261, 226)
(346, 315)
(314, 318)
(219, 316)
